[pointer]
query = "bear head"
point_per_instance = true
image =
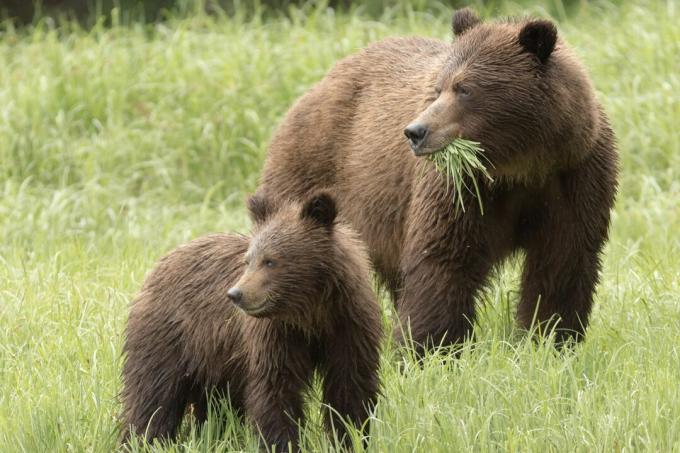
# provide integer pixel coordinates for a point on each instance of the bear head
(289, 258)
(514, 88)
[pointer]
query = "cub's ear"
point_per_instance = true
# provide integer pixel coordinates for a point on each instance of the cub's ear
(538, 37)
(320, 208)
(463, 20)
(259, 208)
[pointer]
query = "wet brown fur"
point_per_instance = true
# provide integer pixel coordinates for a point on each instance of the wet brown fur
(554, 158)
(185, 339)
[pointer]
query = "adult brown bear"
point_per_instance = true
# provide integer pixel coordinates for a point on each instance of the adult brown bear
(515, 87)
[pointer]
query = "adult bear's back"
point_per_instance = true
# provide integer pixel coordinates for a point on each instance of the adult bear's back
(346, 134)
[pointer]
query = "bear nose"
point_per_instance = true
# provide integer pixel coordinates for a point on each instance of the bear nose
(416, 133)
(235, 294)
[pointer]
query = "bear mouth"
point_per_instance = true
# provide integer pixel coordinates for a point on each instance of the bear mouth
(257, 311)
(421, 152)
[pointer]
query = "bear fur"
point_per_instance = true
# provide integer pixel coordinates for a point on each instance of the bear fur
(303, 286)
(515, 87)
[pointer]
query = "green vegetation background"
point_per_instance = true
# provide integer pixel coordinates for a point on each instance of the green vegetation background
(119, 142)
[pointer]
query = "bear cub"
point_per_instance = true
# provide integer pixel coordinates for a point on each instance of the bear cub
(253, 319)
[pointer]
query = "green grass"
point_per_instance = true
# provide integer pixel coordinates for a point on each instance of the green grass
(118, 144)
(460, 163)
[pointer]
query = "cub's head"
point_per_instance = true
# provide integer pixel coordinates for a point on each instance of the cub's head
(289, 257)
(512, 86)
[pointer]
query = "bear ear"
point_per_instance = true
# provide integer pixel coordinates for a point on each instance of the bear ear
(538, 37)
(320, 208)
(463, 20)
(259, 208)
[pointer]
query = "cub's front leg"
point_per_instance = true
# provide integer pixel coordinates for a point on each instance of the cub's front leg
(279, 372)
(351, 381)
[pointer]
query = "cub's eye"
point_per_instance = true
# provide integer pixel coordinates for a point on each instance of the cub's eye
(269, 263)
(246, 261)
(463, 91)
(437, 91)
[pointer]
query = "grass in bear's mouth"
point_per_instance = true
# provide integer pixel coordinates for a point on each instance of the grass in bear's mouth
(458, 162)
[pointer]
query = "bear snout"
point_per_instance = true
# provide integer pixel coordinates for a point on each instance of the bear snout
(235, 295)
(416, 134)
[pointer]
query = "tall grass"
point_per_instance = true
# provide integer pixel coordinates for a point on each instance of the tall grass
(116, 144)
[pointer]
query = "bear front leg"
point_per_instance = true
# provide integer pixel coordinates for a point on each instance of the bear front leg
(445, 261)
(280, 370)
(562, 263)
(437, 305)
(350, 380)
(444, 265)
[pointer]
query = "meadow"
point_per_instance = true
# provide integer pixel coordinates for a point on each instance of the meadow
(118, 143)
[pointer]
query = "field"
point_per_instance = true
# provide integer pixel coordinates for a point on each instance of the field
(119, 143)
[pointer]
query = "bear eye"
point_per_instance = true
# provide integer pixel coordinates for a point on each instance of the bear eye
(269, 263)
(462, 90)
(437, 91)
